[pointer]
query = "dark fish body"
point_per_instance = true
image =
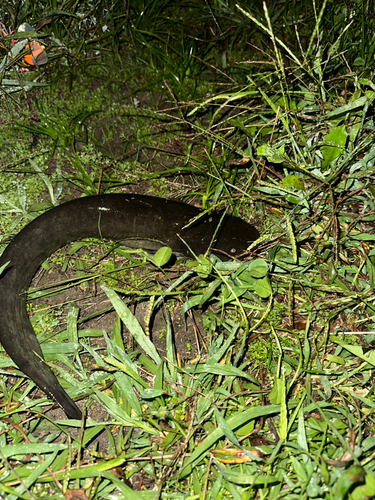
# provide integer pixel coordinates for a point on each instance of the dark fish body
(150, 221)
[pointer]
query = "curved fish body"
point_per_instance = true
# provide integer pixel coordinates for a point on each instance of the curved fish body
(149, 221)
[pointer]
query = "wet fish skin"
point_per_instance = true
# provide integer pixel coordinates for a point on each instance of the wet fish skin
(151, 220)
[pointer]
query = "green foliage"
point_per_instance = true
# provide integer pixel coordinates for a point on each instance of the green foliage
(162, 256)
(337, 140)
(65, 129)
(264, 111)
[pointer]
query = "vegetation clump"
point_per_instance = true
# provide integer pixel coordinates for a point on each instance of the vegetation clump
(260, 384)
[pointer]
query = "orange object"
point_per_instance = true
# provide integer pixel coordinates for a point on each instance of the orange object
(37, 55)
(34, 56)
(234, 456)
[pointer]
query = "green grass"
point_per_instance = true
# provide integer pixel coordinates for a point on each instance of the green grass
(268, 112)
